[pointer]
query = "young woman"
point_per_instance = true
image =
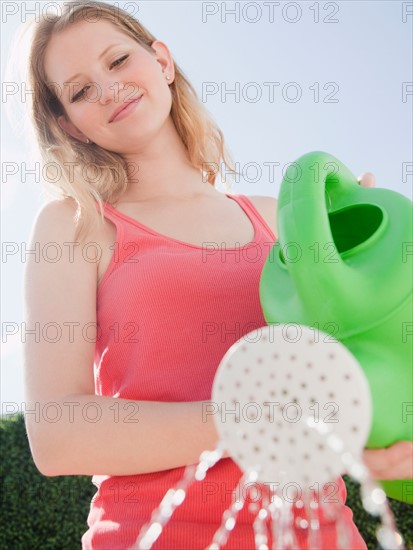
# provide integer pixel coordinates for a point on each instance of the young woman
(152, 286)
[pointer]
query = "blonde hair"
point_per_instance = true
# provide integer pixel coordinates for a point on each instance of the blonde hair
(198, 131)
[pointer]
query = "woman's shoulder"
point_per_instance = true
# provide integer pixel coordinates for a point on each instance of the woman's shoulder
(267, 207)
(263, 202)
(62, 260)
(58, 207)
(57, 218)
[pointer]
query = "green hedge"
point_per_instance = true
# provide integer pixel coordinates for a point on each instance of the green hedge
(50, 513)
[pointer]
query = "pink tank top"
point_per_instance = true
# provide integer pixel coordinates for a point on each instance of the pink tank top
(167, 312)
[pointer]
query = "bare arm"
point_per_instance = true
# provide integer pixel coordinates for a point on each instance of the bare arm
(73, 431)
(113, 436)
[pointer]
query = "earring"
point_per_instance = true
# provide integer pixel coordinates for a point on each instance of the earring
(87, 141)
(167, 77)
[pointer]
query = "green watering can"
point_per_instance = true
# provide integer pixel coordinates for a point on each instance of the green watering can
(343, 264)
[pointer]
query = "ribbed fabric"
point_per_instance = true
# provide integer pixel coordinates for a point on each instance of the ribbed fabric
(167, 313)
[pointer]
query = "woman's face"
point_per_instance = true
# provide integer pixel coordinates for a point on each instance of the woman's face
(95, 69)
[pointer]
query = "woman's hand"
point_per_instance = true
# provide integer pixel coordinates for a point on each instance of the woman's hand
(367, 179)
(394, 462)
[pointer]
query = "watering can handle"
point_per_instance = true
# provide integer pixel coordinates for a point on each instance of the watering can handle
(314, 185)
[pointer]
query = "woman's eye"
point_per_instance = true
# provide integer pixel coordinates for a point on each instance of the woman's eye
(119, 61)
(80, 94)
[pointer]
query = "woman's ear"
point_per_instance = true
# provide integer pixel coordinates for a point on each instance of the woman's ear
(70, 128)
(164, 58)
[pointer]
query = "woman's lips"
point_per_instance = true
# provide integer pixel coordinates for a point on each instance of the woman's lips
(127, 110)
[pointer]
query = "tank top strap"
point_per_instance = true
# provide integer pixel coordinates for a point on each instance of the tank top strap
(255, 217)
(261, 227)
(116, 220)
(109, 212)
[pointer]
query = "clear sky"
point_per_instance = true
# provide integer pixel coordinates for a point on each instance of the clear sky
(341, 74)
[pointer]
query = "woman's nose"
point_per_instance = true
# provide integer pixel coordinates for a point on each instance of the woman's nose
(109, 91)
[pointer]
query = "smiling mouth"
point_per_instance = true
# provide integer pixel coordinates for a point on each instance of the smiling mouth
(127, 108)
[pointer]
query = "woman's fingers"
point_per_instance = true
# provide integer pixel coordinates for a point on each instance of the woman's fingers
(367, 179)
(395, 462)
